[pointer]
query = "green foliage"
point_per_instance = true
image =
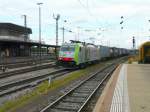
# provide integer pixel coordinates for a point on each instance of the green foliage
(20, 101)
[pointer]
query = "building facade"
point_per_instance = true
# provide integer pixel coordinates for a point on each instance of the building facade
(14, 40)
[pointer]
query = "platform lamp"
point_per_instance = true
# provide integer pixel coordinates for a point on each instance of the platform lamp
(39, 4)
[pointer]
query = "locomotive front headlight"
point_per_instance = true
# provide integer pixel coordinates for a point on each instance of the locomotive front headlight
(60, 58)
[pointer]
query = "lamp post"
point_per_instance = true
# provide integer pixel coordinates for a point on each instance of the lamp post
(78, 29)
(39, 4)
(57, 17)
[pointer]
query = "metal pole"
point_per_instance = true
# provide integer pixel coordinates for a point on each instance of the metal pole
(25, 25)
(25, 21)
(63, 33)
(56, 32)
(39, 4)
(56, 37)
(25, 32)
(56, 18)
(40, 32)
(78, 33)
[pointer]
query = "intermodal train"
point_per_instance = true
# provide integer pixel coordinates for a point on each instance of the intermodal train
(81, 54)
(144, 53)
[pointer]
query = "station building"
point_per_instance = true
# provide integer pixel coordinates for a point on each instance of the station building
(15, 42)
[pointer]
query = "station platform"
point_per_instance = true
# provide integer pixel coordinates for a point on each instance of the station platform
(128, 90)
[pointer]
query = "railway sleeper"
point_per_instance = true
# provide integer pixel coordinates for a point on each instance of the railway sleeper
(87, 87)
(79, 94)
(81, 91)
(74, 99)
(84, 91)
(57, 110)
(90, 85)
(68, 106)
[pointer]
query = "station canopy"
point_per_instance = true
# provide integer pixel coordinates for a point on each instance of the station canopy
(15, 28)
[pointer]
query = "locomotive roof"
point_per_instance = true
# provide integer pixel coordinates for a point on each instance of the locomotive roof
(145, 43)
(79, 44)
(71, 44)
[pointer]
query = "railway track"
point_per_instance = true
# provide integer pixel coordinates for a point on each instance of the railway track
(26, 69)
(78, 97)
(24, 63)
(19, 85)
(12, 87)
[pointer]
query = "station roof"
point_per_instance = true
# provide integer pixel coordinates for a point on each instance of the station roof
(15, 28)
(26, 42)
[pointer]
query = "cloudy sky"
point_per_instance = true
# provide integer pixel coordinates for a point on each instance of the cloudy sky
(89, 20)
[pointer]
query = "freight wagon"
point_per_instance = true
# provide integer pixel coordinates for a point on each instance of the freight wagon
(104, 52)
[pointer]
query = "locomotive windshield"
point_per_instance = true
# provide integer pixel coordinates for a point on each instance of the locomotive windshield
(67, 48)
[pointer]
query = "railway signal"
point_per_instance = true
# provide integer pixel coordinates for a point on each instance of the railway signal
(133, 41)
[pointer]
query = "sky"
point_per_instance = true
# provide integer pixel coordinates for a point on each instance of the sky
(96, 21)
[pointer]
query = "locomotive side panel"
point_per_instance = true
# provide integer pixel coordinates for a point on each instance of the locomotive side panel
(144, 53)
(82, 55)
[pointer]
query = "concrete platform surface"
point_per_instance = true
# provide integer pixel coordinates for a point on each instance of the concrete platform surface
(138, 76)
(131, 92)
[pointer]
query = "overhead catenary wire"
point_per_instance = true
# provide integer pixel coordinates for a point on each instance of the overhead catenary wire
(86, 7)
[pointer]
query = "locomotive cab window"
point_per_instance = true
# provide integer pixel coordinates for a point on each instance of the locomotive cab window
(68, 48)
(147, 51)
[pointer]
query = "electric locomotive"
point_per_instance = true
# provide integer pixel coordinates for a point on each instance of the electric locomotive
(78, 54)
